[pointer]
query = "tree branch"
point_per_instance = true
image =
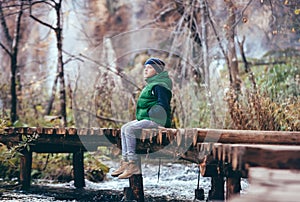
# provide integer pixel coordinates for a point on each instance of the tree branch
(5, 49)
(162, 14)
(242, 13)
(38, 20)
(44, 2)
(109, 69)
(216, 33)
(16, 40)
(4, 25)
(102, 117)
(192, 23)
(241, 45)
(72, 57)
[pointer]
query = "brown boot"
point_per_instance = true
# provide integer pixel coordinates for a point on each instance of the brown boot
(132, 169)
(121, 169)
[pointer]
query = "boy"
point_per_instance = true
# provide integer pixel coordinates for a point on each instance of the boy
(153, 110)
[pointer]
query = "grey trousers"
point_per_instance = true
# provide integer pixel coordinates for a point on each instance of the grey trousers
(129, 132)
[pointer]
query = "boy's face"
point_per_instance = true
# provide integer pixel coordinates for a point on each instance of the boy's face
(149, 71)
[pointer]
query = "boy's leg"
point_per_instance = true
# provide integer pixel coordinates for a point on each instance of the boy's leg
(124, 161)
(132, 132)
(124, 138)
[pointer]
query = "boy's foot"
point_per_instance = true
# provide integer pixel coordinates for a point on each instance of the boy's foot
(121, 169)
(132, 169)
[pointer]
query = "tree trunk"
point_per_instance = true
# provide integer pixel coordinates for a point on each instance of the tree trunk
(52, 97)
(14, 65)
(204, 42)
(13, 91)
(204, 22)
(232, 57)
(60, 65)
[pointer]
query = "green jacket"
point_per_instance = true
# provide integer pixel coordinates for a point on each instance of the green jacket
(147, 100)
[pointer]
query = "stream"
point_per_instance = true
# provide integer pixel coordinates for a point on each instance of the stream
(175, 182)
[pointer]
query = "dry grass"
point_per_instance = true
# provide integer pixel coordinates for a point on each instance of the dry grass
(256, 111)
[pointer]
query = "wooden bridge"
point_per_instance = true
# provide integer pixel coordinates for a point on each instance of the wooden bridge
(229, 154)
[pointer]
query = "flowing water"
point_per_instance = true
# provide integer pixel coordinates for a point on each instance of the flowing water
(176, 182)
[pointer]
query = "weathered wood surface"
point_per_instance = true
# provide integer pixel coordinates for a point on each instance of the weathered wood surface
(233, 161)
(183, 143)
(25, 169)
(249, 136)
(190, 144)
(61, 140)
(150, 140)
(240, 149)
(197, 134)
(271, 185)
(241, 156)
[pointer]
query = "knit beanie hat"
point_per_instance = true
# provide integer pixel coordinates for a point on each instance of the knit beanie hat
(156, 63)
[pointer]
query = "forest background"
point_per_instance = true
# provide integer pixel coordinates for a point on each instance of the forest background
(78, 63)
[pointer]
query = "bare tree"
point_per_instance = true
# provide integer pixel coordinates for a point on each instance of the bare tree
(204, 30)
(60, 65)
(12, 48)
(230, 36)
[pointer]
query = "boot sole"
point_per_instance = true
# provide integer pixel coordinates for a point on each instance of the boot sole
(116, 175)
(126, 177)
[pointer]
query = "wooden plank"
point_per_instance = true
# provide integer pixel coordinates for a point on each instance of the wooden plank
(281, 157)
(21, 130)
(249, 136)
(52, 148)
(49, 131)
(72, 131)
(271, 185)
(185, 136)
(179, 138)
(9, 139)
(112, 135)
(60, 131)
(31, 130)
(40, 130)
(9, 130)
(245, 155)
(83, 131)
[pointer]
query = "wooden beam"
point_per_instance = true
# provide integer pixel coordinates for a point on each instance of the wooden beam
(136, 185)
(233, 181)
(278, 157)
(271, 185)
(136, 190)
(25, 169)
(241, 156)
(248, 136)
(78, 168)
(217, 188)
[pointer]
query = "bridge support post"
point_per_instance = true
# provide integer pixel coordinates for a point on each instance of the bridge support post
(233, 182)
(233, 187)
(78, 167)
(215, 171)
(136, 189)
(217, 188)
(25, 169)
